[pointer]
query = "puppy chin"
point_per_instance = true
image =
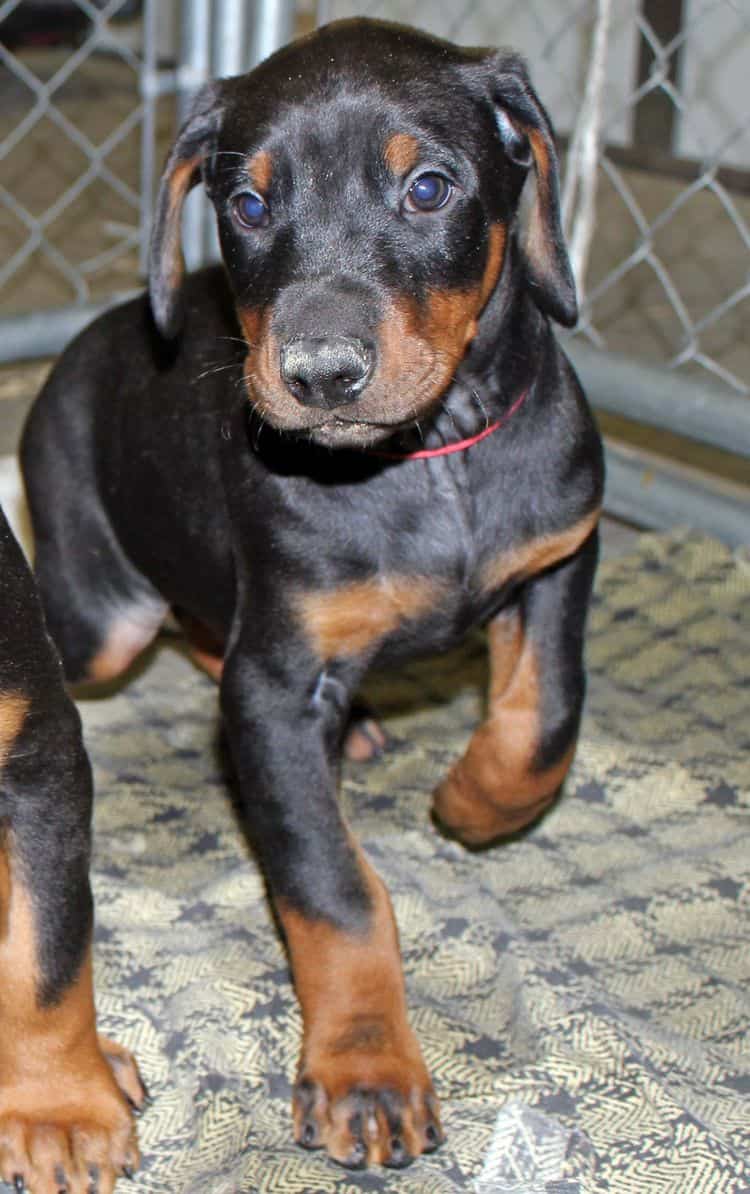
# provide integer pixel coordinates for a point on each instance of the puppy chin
(351, 435)
(327, 431)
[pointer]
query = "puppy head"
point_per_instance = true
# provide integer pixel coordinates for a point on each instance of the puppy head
(367, 184)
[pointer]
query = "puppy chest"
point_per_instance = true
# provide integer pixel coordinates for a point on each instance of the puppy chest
(423, 601)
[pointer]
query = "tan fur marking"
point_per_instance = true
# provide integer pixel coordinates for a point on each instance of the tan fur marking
(356, 1031)
(251, 321)
(494, 788)
(56, 1087)
(540, 150)
(495, 258)
(344, 979)
(450, 321)
(205, 648)
(179, 182)
(349, 620)
(401, 153)
(505, 636)
(23, 1021)
(4, 888)
(419, 349)
(537, 243)
(13, 710)
(178, 187)
(529, 558)
(260, 171)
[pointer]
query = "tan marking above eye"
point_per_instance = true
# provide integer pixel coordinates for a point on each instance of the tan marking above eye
(526, 559)
(401, 153)
(350, 619)
(260, 171)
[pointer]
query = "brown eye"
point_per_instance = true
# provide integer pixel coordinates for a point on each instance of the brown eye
(250, 210)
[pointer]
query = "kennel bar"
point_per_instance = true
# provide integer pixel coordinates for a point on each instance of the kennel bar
(218, 39)
(663, 399)
(647, 493)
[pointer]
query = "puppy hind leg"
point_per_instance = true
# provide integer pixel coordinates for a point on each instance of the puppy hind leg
(125, 632)
(100, 612)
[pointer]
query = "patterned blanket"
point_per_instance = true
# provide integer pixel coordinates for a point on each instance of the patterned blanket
(582, 993)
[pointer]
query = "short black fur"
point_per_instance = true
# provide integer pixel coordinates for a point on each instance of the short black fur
(170, 462)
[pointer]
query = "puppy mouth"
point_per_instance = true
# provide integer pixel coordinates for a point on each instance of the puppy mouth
(340, 432)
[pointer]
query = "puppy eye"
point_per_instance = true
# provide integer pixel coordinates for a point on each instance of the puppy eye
(428, 192)
(250, 210)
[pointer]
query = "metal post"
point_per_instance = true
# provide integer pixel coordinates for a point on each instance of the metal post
(231, 48)
(149, 92)
(195, 69)
(669, 400)
(274, 27)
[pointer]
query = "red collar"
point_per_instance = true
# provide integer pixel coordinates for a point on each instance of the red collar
(449, 449)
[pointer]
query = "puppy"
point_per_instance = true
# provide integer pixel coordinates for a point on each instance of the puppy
(348, 444)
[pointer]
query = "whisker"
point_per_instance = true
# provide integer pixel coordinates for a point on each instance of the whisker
(216, 369)
(478, 399)
(234, 339)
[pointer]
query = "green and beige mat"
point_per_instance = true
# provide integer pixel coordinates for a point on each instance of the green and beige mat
(582, 993)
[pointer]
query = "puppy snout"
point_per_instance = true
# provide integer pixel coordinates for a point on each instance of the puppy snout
(326, 372)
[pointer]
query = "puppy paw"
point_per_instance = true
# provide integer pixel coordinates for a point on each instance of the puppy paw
(466, 810)
(125, 1072)
(360, 1124)
(71, 1132)
(365, 738)
(367, 1110)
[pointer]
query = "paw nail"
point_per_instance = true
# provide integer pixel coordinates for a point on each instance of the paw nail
(399, 1157)
(358, 1156)
(129, 1172)
(433, 1137)
(308, 1135)
(19, 1183)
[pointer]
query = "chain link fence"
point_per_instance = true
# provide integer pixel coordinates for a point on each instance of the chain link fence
(88, 103)
(77, 137)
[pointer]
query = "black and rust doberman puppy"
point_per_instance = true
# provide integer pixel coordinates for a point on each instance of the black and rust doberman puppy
(347, 446)
(65, 1122)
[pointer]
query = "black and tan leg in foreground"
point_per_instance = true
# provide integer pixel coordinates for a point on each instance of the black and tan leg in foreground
(363, 1091)
(67, 1096)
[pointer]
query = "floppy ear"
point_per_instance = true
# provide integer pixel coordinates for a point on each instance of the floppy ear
(181, 173)
(527, 136)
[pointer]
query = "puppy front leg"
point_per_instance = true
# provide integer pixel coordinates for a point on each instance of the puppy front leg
(362, 1091)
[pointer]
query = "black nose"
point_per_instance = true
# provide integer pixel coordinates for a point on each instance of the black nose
(326, 372)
